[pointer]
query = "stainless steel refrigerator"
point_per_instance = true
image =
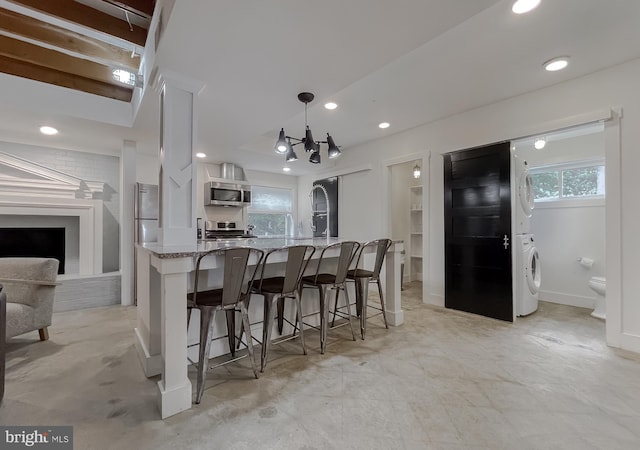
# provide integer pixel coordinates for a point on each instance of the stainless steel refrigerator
(145, 217)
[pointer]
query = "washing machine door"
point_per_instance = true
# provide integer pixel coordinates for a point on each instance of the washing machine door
(533, 270)
(525, 192)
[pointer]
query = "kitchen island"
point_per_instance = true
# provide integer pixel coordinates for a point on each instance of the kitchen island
(164, 276)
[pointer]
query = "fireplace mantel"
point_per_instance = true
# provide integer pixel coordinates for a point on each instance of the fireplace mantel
(21, 177)
(29, 189)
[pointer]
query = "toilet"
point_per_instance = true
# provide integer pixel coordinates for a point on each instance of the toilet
(599, 285)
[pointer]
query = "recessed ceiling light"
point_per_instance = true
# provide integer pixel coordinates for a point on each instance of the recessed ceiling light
(201, 155)
(383, 125)
(524, 6)
(539, 143)
(286, 169)
(331, 105)
(49, 131)
(556, 64)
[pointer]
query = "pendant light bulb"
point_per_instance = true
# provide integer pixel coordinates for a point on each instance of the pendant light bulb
(281, 143)
(315, 157)
(291, 155)
(416, 171)
(309, 143)
(334, 151)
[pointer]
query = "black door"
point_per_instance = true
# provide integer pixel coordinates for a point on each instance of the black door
(477, 214)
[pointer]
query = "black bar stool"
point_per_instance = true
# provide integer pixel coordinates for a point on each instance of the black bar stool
(229, 298)
(278, 288)
(325, 280)
(362, 276)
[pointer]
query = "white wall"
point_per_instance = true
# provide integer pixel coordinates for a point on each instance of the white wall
(147, 168)
(583, 147)
(562, 235)
(355, 212)
(558, 106)
(401, 180)
(567, 230)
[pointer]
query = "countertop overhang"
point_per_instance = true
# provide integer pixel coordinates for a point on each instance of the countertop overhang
(263, 243)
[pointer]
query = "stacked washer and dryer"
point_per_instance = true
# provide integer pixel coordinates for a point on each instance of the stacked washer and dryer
(527, 282)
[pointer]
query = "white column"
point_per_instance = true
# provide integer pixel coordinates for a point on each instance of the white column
(174, 385)
(148, 340)
(127, 182)
(393, 303)
(177, 169)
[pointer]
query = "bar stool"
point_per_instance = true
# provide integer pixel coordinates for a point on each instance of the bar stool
(324, 280)
(362, 277)
(278, 288)
(229, 298)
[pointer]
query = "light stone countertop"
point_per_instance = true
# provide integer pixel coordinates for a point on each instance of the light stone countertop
(263, 243)
(202, 246)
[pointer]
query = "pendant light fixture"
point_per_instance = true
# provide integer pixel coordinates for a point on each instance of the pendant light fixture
(284, 144)
(290, 156)
(416, 171)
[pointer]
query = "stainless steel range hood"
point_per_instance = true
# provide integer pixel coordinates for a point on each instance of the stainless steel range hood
(230, 171)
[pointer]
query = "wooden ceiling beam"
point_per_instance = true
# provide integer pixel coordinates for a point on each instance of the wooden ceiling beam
(86, 16)
(43, 74)
(140, 7)
(62, 38)
(44, 57)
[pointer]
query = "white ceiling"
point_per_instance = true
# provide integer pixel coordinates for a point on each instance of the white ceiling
(407, 62)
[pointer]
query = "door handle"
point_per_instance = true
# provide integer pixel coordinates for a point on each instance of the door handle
(505, 241)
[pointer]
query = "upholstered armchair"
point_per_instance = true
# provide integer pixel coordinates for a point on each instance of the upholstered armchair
(29, 284)
(3, 312)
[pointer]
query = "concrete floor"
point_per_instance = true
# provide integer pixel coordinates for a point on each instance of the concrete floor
(443, 380)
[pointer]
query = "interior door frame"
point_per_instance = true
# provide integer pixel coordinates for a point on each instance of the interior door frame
(515, 198)
(425, 160)
(611, 116)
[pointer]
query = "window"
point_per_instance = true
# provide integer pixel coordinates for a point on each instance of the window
(270, 211)
(576, 180)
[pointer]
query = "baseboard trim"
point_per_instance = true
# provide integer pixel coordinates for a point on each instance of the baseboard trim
(567, 299)
(395, 318)
(630, 342)
(435, 299)
(90, 291)
(151, 365)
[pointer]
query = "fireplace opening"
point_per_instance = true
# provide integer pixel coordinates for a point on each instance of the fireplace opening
(33, 242)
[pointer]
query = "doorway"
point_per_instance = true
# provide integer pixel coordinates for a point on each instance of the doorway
(406, 202)
(568, 219)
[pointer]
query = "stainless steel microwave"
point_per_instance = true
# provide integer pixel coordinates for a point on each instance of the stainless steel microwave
(226, 194)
